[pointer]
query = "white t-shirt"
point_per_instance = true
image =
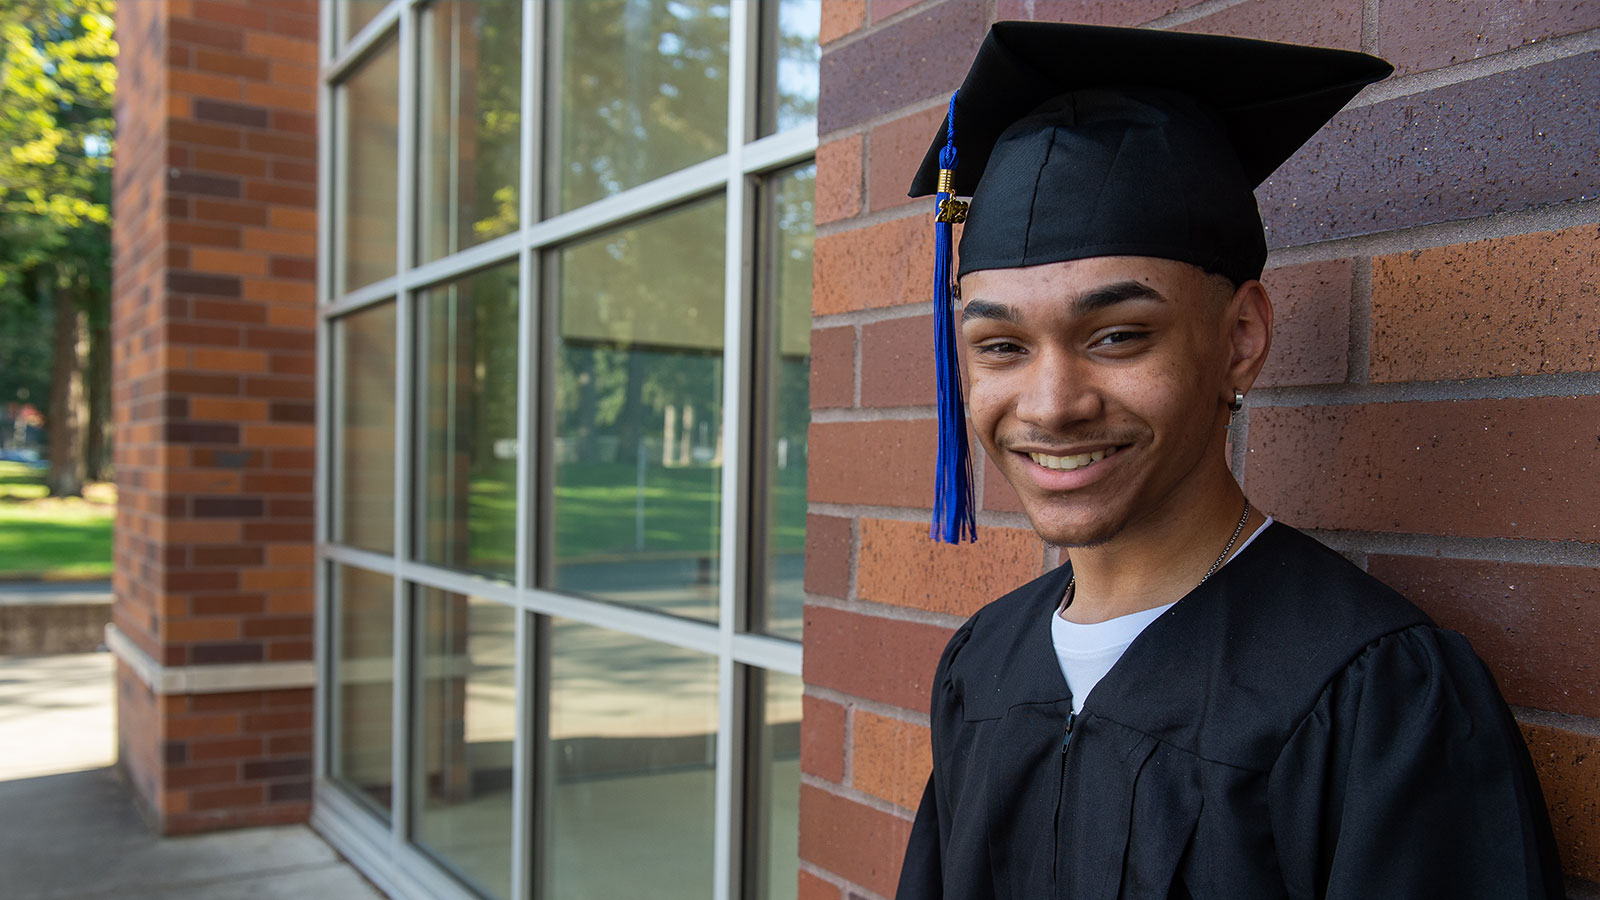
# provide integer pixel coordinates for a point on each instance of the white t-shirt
(1087, 652)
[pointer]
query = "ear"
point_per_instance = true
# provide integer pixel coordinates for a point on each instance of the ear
(1248, 324)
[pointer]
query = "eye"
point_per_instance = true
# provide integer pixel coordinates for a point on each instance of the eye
(1114, 338)
(998, 348)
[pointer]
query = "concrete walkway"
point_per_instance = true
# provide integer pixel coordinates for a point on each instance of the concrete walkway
(68, 830)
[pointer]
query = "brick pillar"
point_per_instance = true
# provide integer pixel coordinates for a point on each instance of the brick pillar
(214, 317)
(1428, 409)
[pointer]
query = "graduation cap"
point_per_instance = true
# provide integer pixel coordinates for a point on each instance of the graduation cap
(1076, 141)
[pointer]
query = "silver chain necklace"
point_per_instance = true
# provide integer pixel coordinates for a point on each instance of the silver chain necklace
(1073, 581)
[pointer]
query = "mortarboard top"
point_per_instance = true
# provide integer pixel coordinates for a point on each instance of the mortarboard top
(1147, 139)
(1077, 141)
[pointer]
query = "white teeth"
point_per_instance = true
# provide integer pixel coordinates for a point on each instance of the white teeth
(1070, 462)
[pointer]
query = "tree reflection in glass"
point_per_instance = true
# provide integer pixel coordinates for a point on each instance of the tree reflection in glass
(643, 87)
(467, 443)
(471, 95)
(789, 399)
(638, 431)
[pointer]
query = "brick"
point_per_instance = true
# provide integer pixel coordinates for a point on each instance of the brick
(858, 842)
(899, 565)
(897, 363)
(1537, 627)
(889, 758)
(812, 887)
(227, 604)
(839, 179)
(257, 723)
(220, 87)
(1522, 305)
(235, 15)
(888, 264)
(277, 768)
(242, 114)
(1416, 35)
(822, 739)
(887, 463)
(230, 652)
(841, 17)
(223, 725)
(902, 63)
(209, 185)
(251, 67)
(231, 749)
(1525, 468)
(216, 359)
(998, 494)
(1442, 155)
(895, 151)
(227, 556)
(1311, 323)
(200, 433)
(833, 367)
(194, 776)
(1323, 23)
(189, 32)
(233, 262)
(221, 798)
(881, 659)
(281, 242)
(185, 631)
(234, 213)
(827, 555)
(1568, 763)
(275, 46)
(883, 9)
(230, 701)
(1090, 12)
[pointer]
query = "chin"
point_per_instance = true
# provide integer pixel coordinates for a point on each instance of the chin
(1075, 535)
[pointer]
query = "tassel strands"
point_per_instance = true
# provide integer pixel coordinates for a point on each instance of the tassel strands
(953, 516)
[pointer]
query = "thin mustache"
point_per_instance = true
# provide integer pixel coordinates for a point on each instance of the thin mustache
(1044, 438)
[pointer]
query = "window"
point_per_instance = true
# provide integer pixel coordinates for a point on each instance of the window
(566, 290)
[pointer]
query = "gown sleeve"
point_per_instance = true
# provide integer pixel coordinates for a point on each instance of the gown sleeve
(1409, 778)
(922, 872)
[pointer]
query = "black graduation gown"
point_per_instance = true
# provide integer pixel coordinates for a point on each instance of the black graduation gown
(1291, 729)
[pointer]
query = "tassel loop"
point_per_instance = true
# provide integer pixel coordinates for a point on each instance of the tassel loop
(953, 515)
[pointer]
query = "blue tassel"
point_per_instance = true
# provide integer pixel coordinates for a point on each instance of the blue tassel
(953, 517)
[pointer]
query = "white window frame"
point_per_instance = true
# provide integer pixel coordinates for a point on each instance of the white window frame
(382, 850)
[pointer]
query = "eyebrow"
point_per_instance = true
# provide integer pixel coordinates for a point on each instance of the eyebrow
(1091, 301)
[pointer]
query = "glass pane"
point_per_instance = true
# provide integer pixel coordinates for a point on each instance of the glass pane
(353, 15)
(363, 478)
(470, 124)
(789, 399)
(644, 92)
(789, 67)
(466, 710)
(467, 448)
(638, 433)
(632, 748)
(369, 118)
(363, 676)
(774, 843)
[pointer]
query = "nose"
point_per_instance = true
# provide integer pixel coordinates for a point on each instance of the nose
(1057, 392)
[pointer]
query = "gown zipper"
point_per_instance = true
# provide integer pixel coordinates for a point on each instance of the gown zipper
(1061, 795)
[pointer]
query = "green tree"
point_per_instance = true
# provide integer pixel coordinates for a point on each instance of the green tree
(57, 78)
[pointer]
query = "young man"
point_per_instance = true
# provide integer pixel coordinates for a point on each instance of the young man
(1202, 703)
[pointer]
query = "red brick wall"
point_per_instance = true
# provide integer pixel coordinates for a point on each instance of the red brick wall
(1430, 409)
(214, 317)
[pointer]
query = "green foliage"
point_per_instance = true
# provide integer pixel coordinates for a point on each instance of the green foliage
(57, 78)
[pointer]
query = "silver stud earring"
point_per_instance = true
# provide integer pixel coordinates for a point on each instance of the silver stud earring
(1238, 401)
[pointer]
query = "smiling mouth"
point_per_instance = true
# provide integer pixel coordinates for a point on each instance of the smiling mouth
(1072, 462)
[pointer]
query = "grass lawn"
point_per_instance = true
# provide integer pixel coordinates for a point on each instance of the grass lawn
(61, 538)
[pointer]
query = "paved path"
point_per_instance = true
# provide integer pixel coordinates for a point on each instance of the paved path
(68, 830)
(53, 592)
